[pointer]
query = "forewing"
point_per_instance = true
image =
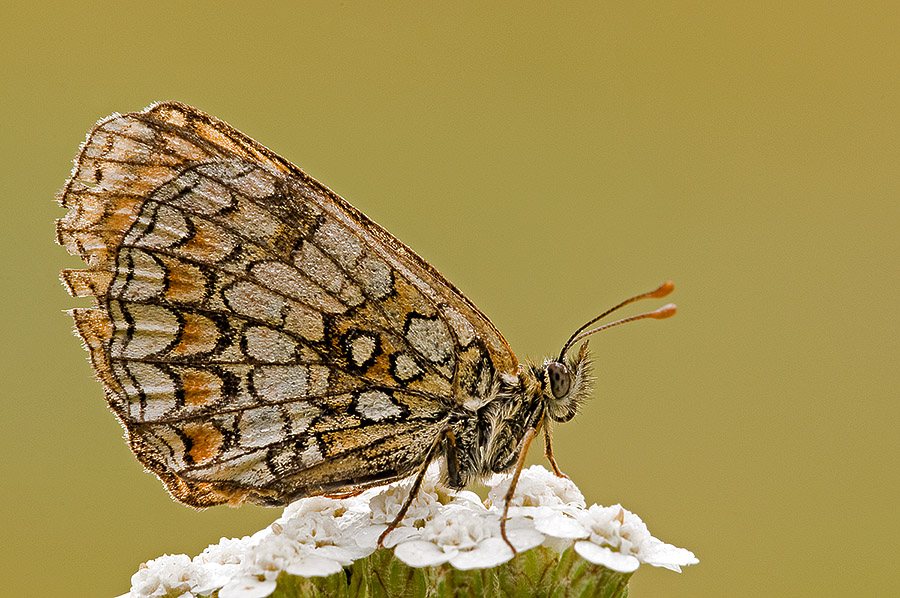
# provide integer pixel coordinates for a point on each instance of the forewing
(258, 337)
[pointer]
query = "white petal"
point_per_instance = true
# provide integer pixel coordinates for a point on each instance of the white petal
(401, 534)
(351, 548)
(313, 565)
(514, 512)
(468, 496)
(247, 587)
(227, 551)
(368, 537)
(554, 523)
(560, 545)
(419, 553)
(524, 538)
(254, 540)
(488, 553)
(536, 487)
(660, 554)
(522, 534)
(335, 553)
(600, 555)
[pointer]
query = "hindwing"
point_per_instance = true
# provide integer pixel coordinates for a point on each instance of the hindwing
(258, 337)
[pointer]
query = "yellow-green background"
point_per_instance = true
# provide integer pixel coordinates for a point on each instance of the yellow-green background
(550, 159)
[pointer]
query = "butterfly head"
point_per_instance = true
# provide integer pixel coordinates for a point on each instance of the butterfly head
(566, 380)
(566, 384)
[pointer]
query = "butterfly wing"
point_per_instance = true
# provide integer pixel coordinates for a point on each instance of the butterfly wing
(259, 338)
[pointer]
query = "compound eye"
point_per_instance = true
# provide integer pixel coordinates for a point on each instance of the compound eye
(560, 379)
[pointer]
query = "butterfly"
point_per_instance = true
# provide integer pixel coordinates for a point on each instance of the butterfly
(262, 340)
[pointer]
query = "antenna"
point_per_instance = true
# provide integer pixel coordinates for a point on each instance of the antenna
(665, 311)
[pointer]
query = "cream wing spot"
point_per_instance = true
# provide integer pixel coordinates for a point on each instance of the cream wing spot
(159, 226)
(167, 442)
(199, 194)
(375, 276)
(430, 337)
(113, 177)
(251, 300)
(144, 331)
(249, 469)
(253, 221)
(311, 455)
(362, 348)
(181, 146)
(319, 267)
(351, 295)
(300, 415)
(140, 151)
(139, 276)
(261, 426)
(338, 242)
(151, 386)
(405, 367)
(377, 406)
(464, 330)
(255, 183)
(131, 128)
(268, 345)
(112, 141)
(224, 171)
(286, 280)
(239, 176)
(278, 383)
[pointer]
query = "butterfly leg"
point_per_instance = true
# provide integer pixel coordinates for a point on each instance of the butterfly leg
(451, 458)
(452, 466)
(520, 463)
(548, 452)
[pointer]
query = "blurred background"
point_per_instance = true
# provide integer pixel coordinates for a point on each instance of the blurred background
(550, 160)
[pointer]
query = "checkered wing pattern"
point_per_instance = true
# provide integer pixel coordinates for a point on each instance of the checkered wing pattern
(258, 337)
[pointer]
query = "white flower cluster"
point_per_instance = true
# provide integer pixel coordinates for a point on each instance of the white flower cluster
(319, 536)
